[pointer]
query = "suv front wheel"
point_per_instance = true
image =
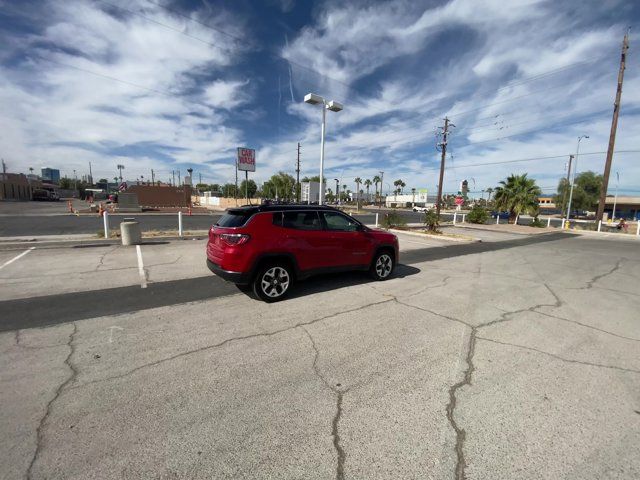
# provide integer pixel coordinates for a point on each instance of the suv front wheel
(382, 265)
(272, 282)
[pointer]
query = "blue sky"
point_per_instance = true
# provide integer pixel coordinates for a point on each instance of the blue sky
(168, 85)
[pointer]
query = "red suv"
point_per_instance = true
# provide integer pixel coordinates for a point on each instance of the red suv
(270, 246)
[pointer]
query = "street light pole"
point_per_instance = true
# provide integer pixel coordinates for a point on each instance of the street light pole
(575, 168)
(314, 99)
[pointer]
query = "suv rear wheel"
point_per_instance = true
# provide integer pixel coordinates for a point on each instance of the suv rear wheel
(272, 282)
(382, 265)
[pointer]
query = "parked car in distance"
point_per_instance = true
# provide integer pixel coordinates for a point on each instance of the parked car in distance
(503, 215)
(420, 209)
(269, 247)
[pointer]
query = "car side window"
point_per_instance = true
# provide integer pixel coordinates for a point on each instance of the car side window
(301, 220)
(338, 222)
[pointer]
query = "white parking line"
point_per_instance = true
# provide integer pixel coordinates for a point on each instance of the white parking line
(143, 277)
(9, 262)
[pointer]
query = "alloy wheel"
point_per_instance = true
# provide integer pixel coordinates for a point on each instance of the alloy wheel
(275, 282)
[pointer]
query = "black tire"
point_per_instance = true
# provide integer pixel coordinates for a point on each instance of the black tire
(273, 282)
(382, 265)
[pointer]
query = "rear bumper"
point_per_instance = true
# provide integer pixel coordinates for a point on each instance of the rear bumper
(239, 278)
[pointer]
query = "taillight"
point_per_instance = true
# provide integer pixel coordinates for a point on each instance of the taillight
(233, 239)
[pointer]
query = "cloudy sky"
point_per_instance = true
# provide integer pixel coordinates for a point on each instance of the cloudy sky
(168, 85)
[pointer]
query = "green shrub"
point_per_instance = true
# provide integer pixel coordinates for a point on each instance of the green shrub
(432, 220)
(393, 219)
(537, 223)
(478, 214)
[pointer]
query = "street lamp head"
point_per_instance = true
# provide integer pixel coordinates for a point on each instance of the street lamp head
(313, 99)
(335, 106)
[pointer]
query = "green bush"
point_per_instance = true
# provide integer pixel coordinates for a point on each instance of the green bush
(393, 219)
(432, 220)
(478, 214)
(537, 223)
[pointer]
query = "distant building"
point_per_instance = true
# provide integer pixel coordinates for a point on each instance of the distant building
(14, 186)
(545, 202)
(310, 192)
(50, 175)
(626, 207)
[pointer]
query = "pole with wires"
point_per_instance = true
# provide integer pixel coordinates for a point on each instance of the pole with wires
(443, 146)
(614, 127)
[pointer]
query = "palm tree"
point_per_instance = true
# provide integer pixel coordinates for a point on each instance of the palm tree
(517, 194)
(376, 181)
(489, 191)
(358, 181)
(367, 183)
(396, 184)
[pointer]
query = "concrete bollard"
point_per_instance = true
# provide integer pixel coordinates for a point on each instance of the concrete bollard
(638, 228)
(105, 221)
(455, 217)
(376, 220)
(463, 217)
(548, 222)
(498, 219)
(599, 224)
(130, 233)
(516, 221)
(180, 224)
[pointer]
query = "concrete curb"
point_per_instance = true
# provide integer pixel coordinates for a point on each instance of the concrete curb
(443, 237)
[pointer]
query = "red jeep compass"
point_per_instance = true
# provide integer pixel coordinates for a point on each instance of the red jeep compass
(271, 246)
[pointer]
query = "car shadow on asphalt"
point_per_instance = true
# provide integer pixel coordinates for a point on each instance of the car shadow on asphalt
(334, 281)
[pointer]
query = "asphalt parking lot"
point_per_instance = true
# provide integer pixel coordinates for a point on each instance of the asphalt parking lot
(514, 357)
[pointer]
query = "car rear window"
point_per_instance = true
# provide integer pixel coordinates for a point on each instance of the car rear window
(234, 219)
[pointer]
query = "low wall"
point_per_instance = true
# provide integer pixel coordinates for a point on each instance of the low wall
(221, 203)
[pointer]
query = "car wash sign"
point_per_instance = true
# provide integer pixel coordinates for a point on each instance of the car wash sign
(246, 159)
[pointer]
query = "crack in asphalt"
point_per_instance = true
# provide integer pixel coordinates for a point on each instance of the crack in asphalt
(102, 257)
(590, 283)
(336, 439)
(575, 322)
(19, 344)
(58, 392)
(227, 341)
(461, 435)
(558, 357)
(340, 453)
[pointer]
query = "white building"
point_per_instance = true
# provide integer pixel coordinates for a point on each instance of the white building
(310, 192)
(420, 198)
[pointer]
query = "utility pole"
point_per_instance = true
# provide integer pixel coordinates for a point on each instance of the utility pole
(381, 186)
(200, 178)
(614, 127)
(90, 175)
(153, 177)
(173, 176)
(443, 145)
(298, 177)
(564, 197)
(179, 180)
(120, 168)
(4, 167)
